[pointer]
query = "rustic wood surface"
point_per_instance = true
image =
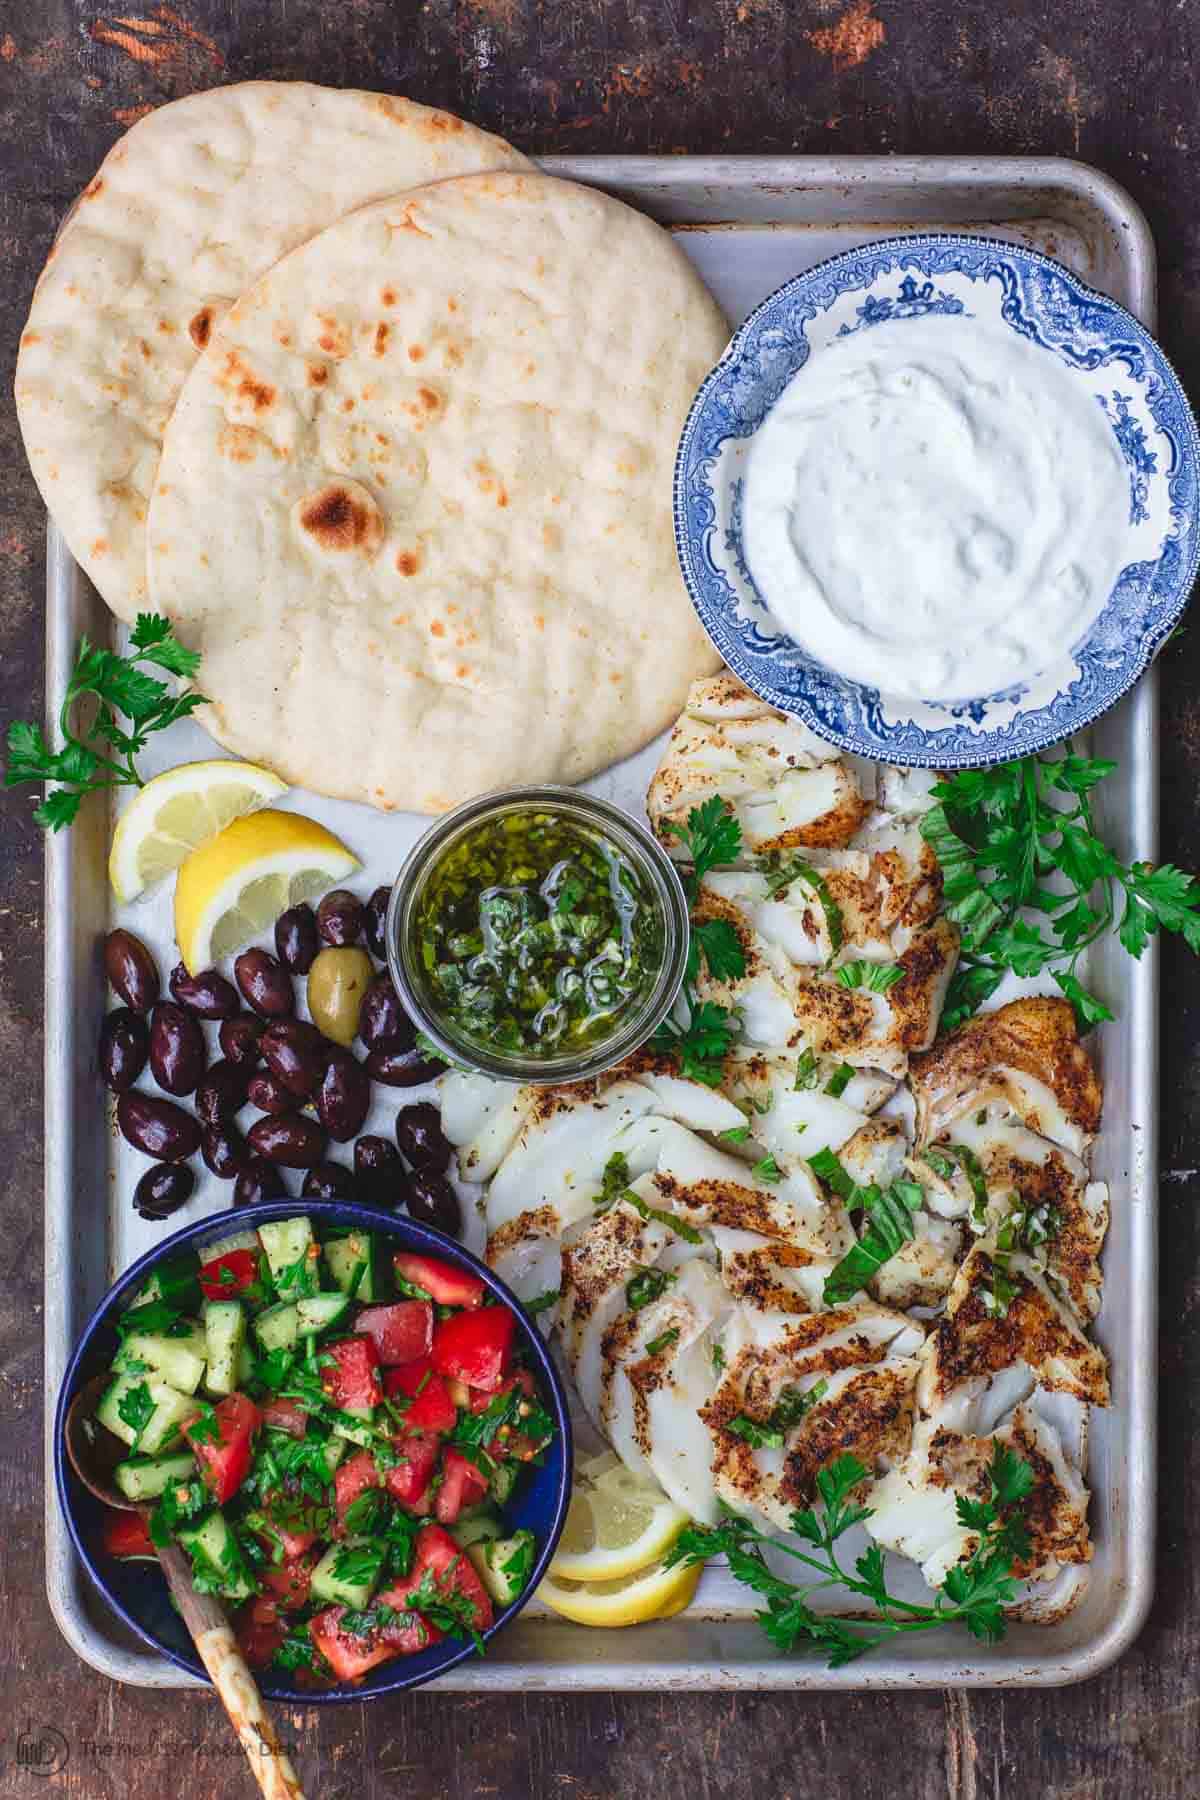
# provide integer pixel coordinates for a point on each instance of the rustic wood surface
(1103, 80)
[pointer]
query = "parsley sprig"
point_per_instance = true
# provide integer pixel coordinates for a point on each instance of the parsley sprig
(119, 685)
(974, 1593)
(713, 839)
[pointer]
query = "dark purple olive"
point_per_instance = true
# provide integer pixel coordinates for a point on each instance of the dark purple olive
(294, 1052)
(208, 994)
(258, 1180)
(268, 1093)
(158, 1127)
(132, 971)
(124, 1047)
(374, 918)
(239, 1037)
(379, 1170)
(432, 1201)
(383, 1023)
(340, 917)
(266, 984)
(224, 1149)
(177, 1049)
(422, 1141)
(289, 1139)
(162, 1190)
(222, 1092)
(330, 1181)
(296, 939)
(344, 1096)
(402, 1068)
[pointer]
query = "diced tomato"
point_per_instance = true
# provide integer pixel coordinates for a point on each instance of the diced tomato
(352, 1379)
(288, 1582)
(480, 1401)
(225, 1461)
(353, 1478)
(462, 1485)
(260, 1631)
(408, 1481)
(430, 1407)
(409, 1633)
(474, 1346)
(509, 1441)
(285, 1415)
(225, 1277)
(125, 1534)
(453, 1572)
(348, 1656)
(442, 1281)
(295, 1543)
(400, 1332)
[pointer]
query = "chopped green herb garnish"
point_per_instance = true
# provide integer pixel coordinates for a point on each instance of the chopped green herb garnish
(840, 1080)
(663, 1341)
(647, 1286)
(878, 977)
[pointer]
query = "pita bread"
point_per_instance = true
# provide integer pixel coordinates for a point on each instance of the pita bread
(414, 505)
(188, 209)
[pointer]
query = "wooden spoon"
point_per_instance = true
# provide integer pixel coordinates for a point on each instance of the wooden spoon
(94, 1453)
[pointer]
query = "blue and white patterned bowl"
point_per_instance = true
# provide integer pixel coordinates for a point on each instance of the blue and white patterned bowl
(1096, 340)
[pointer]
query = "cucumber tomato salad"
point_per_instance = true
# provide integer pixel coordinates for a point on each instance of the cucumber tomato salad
(331, 1431)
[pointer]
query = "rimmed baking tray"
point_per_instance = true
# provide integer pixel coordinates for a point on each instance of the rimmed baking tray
(748, 223)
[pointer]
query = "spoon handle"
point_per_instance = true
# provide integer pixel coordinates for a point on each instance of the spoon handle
(205, 1618)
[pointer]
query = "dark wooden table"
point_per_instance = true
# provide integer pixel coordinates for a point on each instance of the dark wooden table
(1104, 80)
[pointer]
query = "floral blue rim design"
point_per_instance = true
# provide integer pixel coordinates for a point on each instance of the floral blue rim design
(1063, 315)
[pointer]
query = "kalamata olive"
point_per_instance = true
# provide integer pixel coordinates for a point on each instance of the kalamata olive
(224, 1149)
(177, 1049)
(239, 1037)
(337, 982)
(383, 1023)
(293, 1052)
(379, 1170)
(422, 1141)
(344, 1096)
(162, 1190)
(402, 1068)
(296, 939)
(289, 1139)
(330, 1181)
(222, 1092)
(432, 1201)
(340, 917)
(268, 1093)
(374, 918)
(208, 994)
(131, 970)
(258, 1180)
(158, 1127)
(265, 984)
(124, 1047)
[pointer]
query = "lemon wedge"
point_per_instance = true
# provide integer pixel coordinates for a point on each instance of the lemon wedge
(179, 810)
(236, 885)
(651, 1593)
(617, 1524)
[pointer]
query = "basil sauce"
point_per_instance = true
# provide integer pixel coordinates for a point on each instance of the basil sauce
(537, 935)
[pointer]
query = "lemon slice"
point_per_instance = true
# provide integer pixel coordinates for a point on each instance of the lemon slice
(178, 810)
(617, 1523)
(237, 884)
(651, 1593)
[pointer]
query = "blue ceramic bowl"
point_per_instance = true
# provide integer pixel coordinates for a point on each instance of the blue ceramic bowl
(1101, 346)
(137, 1591)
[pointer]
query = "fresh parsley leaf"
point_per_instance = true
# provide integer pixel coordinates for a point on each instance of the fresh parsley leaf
(701, 1045)
(363, 1515)
(136, 1409)
(718, 943)
(204, 1429)
(755, 1433)
(798, 870)
(786, 1414)
(647, 1286)
(543, 1302)
(718, 1358)
(663, 1341)
(712, 836)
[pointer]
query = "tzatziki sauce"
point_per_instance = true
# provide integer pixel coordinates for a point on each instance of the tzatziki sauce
(935, 507)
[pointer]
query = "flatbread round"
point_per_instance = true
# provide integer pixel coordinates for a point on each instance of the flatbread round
(188, 209)
(414, 505)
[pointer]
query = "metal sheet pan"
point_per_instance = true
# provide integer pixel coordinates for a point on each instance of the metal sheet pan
(748, 223)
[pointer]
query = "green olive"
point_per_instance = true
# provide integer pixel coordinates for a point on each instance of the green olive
(337, 985)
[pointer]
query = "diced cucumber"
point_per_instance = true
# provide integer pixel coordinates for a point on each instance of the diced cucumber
(279, 1327)
(504, 1565)
(347, 1425)
(365, 1561)
(355, 1265)
(502, 1480)
(175, 1282)
(145, 1477)
(179, 1360)
(285, 1242)
(240, 1240)
(333, 1450)
(225, 1332)
(217, 1555)
(170, 1410)
(319, 1311)
(245, 1365)
(482, 1526)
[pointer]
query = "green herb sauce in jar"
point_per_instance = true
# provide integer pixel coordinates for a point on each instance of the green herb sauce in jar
(537, 936)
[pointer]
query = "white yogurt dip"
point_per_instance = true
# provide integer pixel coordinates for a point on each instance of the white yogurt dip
(935, 507)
